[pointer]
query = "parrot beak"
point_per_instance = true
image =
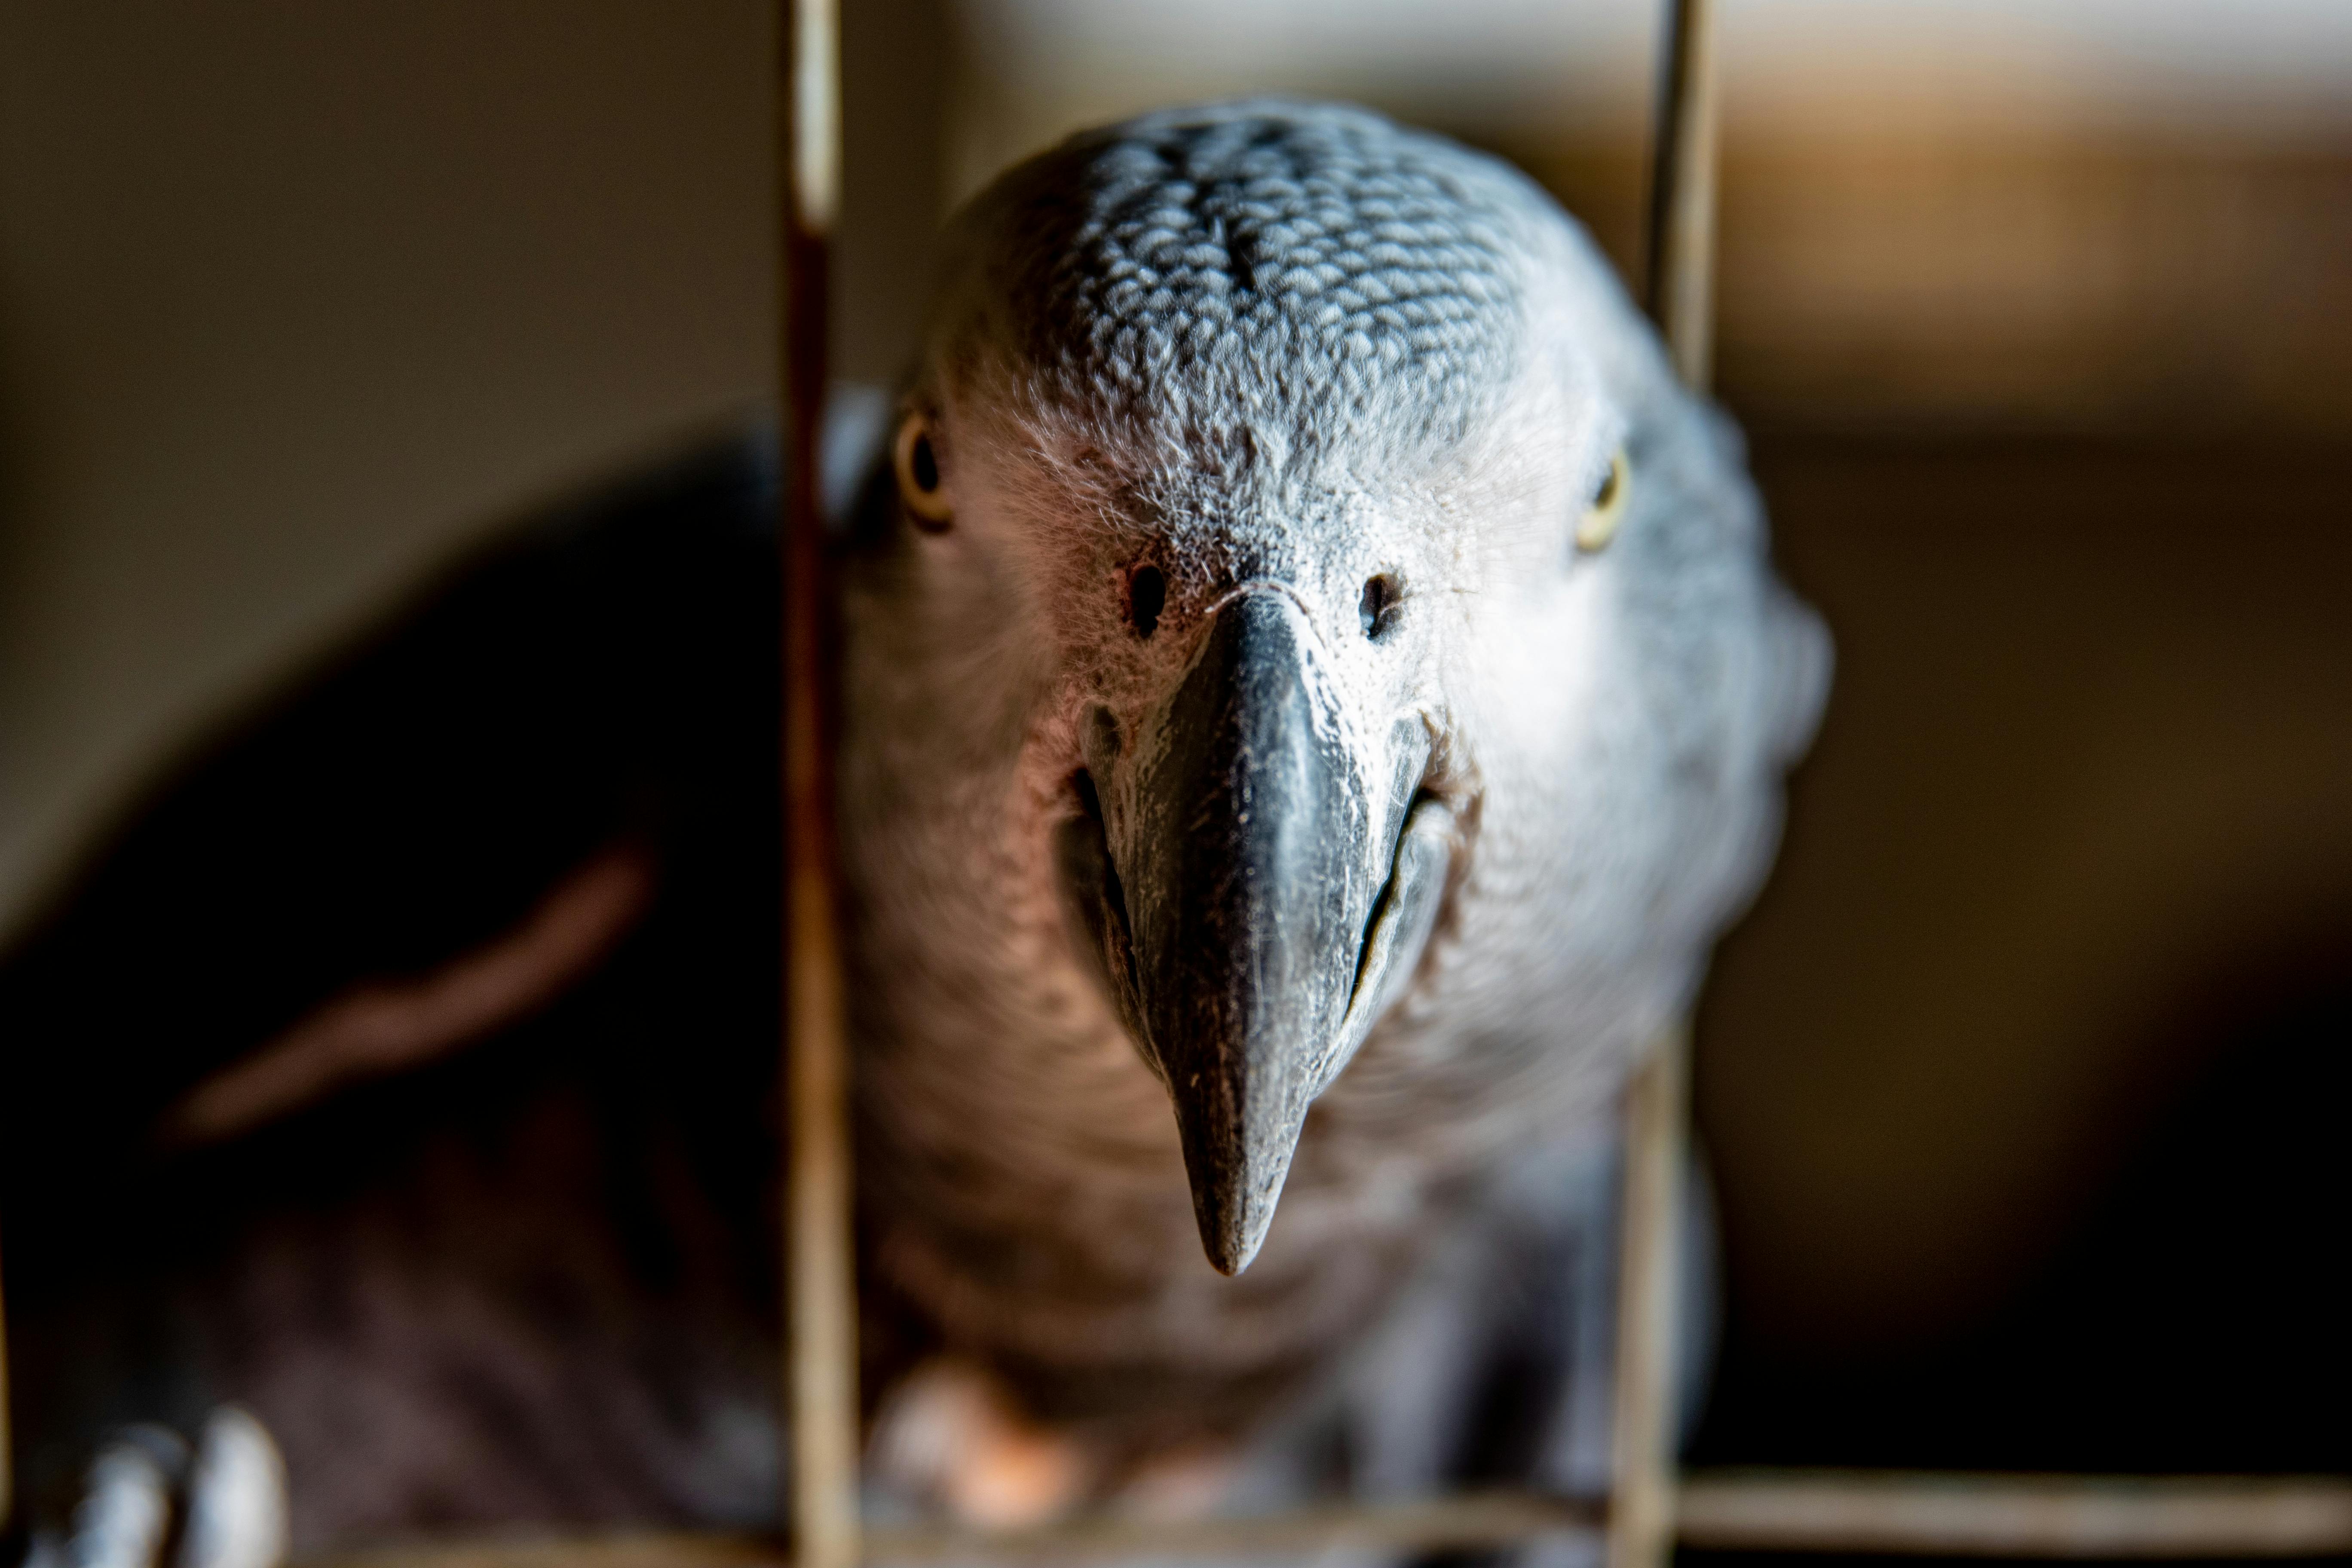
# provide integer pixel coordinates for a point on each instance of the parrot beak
(1257, 895)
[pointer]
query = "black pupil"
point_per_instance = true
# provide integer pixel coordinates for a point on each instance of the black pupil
(1146, 595)
(925, 463)
(1379, 599)
(1608, 488)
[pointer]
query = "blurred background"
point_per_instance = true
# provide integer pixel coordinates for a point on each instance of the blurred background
(2024, 1086)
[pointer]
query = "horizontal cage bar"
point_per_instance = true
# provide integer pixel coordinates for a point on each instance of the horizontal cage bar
(1894, 1512)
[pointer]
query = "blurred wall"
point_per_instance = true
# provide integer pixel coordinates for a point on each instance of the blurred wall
(2078, 823)
(1942, 214)
(295, 301)
(293, 298)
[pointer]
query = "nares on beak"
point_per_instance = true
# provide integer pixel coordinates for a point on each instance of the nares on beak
(1256, 870)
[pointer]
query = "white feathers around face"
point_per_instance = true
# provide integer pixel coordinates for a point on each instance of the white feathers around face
(1392, 528)
(1070, 491)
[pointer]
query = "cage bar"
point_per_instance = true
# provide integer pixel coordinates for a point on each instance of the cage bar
(1882, 1512)
(1680, 287)
(821, 1428)
(1643, 1435)
(1656, 1112)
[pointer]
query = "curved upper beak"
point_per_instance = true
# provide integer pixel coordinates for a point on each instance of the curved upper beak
(1247, 875)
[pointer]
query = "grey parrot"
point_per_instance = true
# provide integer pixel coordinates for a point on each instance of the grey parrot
(1330, 679)
(1313, 687)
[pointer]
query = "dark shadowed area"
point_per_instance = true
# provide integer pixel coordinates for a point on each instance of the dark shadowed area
(2054, 970)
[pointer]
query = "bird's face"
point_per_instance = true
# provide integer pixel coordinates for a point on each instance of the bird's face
(1245, 478)
(1249, 688)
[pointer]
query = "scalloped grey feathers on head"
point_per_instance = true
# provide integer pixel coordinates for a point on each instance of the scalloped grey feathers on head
(1251, 291)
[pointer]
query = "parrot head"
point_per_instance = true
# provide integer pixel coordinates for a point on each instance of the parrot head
(1247, 441)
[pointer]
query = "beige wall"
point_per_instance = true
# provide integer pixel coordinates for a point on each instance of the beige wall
(296, 296)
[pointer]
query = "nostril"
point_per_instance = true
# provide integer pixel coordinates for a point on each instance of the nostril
(1147, 596)
(1081, 783)
(1378, 606)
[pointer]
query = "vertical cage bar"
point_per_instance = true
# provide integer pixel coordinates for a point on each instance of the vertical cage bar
(1641, 1441)
(1681, 283)
(1681, 290)
(820, 1273)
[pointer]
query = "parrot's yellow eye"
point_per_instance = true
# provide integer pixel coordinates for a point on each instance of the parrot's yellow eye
(1597, 526)
(916, 457)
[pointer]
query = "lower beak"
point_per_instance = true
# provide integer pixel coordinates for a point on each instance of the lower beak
(1256, 881)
